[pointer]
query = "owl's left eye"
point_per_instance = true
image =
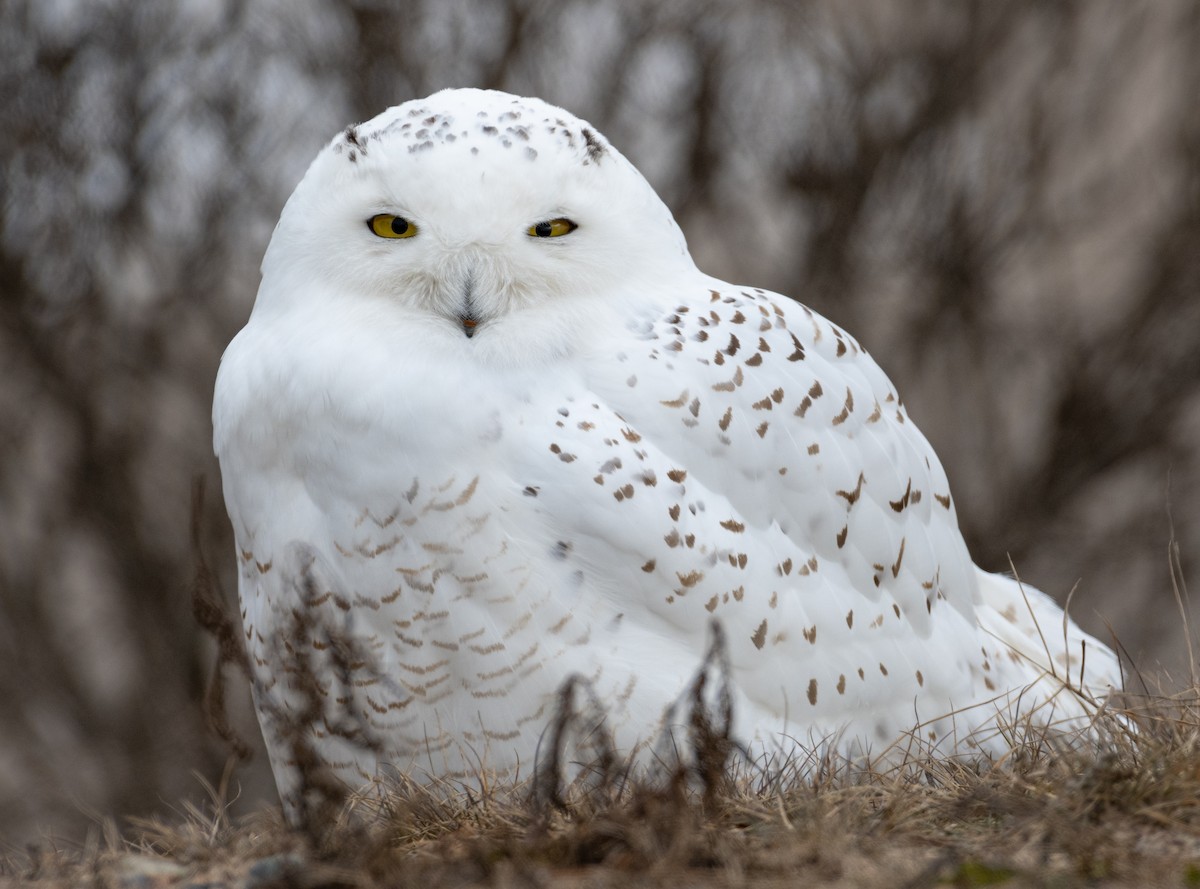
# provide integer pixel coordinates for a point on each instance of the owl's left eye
(385, 225)
(551, 228)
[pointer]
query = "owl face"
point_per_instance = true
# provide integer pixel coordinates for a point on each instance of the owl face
(474, 213)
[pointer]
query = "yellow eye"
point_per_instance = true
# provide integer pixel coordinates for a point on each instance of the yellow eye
(387, 226)
(551, 228)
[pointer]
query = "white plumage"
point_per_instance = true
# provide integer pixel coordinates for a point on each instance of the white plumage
(496, 458)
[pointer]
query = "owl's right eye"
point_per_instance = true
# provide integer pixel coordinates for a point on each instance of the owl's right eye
(551, 228)
(386, 225)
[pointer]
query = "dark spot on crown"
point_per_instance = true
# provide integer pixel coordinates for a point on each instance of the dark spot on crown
(430, 121)
(595, 148)
(352, 138)
(490, 130)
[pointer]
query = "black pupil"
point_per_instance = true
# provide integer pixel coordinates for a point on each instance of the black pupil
(542, 229)
(399, 225)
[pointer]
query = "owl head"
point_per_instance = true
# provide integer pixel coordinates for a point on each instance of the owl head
(471, 213)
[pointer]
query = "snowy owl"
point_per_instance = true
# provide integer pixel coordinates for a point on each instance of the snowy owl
(489, 427)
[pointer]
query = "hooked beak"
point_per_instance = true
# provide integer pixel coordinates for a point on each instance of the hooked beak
(466, 315)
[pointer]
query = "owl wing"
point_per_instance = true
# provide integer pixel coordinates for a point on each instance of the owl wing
(736, 456)
(758, 467)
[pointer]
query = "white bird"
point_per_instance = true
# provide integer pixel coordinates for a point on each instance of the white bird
(490, 426)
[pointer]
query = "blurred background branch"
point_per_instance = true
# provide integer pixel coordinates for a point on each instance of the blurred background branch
(1001, 201)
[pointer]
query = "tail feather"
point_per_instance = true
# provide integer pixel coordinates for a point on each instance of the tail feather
(1053, 653)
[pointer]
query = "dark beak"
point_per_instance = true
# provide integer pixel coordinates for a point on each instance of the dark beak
(467, 315)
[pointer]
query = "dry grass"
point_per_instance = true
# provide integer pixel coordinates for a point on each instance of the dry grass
(1120, 810)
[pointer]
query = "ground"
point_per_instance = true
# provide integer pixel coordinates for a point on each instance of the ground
(1119, 808)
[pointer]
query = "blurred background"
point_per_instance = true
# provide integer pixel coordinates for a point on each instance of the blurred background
(1001, 201)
